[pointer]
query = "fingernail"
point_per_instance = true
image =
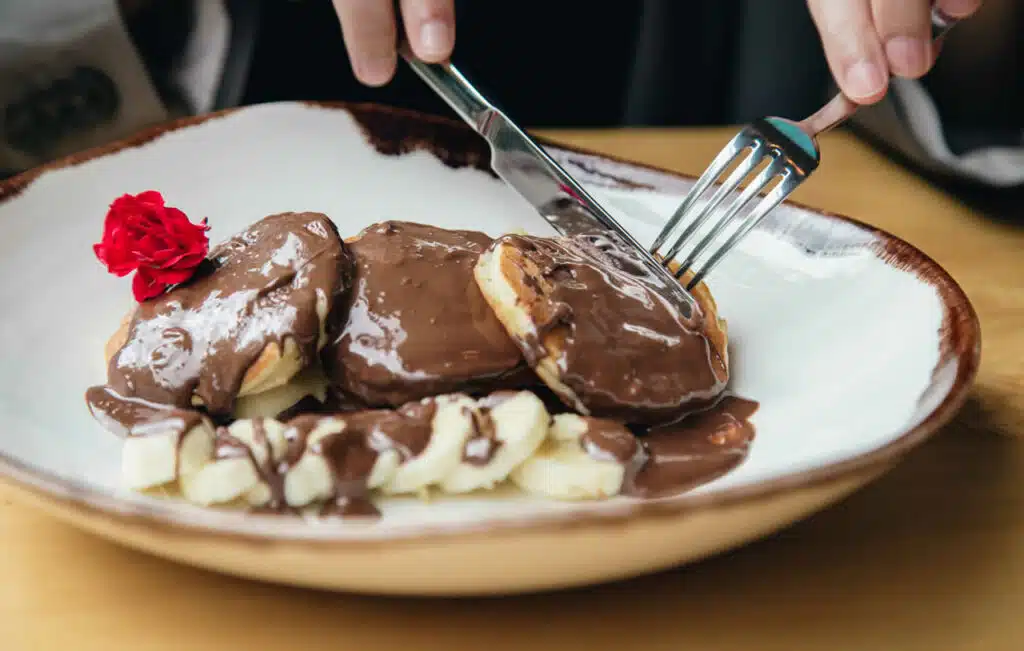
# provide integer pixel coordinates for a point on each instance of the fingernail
(908, 55)
(435, 39)
(375, 71)
(864, 79)
(958, 8)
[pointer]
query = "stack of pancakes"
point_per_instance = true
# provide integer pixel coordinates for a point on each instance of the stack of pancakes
(288, 321)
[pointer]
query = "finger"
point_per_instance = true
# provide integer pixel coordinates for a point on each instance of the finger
(430, 28)
(959, 8)
(904, 27)
(368, 27)
(852, 47)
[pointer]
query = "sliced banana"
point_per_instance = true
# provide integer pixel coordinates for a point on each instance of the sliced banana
(221, 482)
(473, 445)
(265, 438)
(160, 451)
(310, 479)
(520, 424)
(268, 404)
(451, 427)
(247, 454)
(563, 469)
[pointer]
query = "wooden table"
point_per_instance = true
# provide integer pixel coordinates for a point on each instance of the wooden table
(931, 557)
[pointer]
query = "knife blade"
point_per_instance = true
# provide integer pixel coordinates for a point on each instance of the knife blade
(524, 165)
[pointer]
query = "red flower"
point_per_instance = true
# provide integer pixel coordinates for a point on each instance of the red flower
(156, 241)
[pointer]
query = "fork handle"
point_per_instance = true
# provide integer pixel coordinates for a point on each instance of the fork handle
(841, 108)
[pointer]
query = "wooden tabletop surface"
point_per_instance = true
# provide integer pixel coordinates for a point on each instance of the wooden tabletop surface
(930, 557)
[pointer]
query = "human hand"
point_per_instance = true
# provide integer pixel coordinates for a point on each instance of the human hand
(867, 41)
(370, 32)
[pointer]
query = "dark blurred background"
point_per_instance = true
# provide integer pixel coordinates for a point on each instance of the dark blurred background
(575, 63)
(581, 63)
(641, 62)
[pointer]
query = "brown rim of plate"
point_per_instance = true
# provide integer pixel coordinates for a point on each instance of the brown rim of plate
(395, 131)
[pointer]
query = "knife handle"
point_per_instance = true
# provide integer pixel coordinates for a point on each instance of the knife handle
(450, 84)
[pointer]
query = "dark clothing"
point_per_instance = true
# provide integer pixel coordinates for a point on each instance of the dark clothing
(570, 64)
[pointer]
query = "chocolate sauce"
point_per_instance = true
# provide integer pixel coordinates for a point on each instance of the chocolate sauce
(351, 458)
(262, 286)
(406, 430)
(136, 417)
(270, 471)
(698, 449)
(226, 446)
(415, 323)
(296, 434)
(625, 351)
(307, 405)
(609, 440)
(352, 453)
(672, 459)
(483, 443)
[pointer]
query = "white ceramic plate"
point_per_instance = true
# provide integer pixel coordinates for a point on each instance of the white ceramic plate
(856, 345)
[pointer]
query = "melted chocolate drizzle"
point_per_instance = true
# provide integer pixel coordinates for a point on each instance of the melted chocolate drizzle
(137, 417)
(677, 457)
(626, 352)
(483, 444)
(260, 287)
(350, 457)
(412, 326)
(415, 323)
(698, 449)
(350, 454)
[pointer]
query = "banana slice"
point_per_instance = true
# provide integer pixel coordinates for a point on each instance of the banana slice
(311, 479)
(269, 404)
(451, 427)
(220, 482)
(508, 429)
(452, 443)
(159, 451)
(572, 465)
(244, 462)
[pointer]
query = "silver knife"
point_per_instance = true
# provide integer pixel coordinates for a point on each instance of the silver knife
(524, 165)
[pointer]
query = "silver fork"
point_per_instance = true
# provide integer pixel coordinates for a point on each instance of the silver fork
(788, 152)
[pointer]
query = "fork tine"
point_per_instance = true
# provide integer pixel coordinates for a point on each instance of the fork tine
(736, 146)
(790, 180)
(724, 190)
(777, 167)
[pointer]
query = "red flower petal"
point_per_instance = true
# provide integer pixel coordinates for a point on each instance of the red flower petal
(142, 234)
(172, 276)
(144, 287)
(189, 261)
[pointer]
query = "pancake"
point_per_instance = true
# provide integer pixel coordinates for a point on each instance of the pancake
(251, 319)
(415, 324)
(591, 322)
